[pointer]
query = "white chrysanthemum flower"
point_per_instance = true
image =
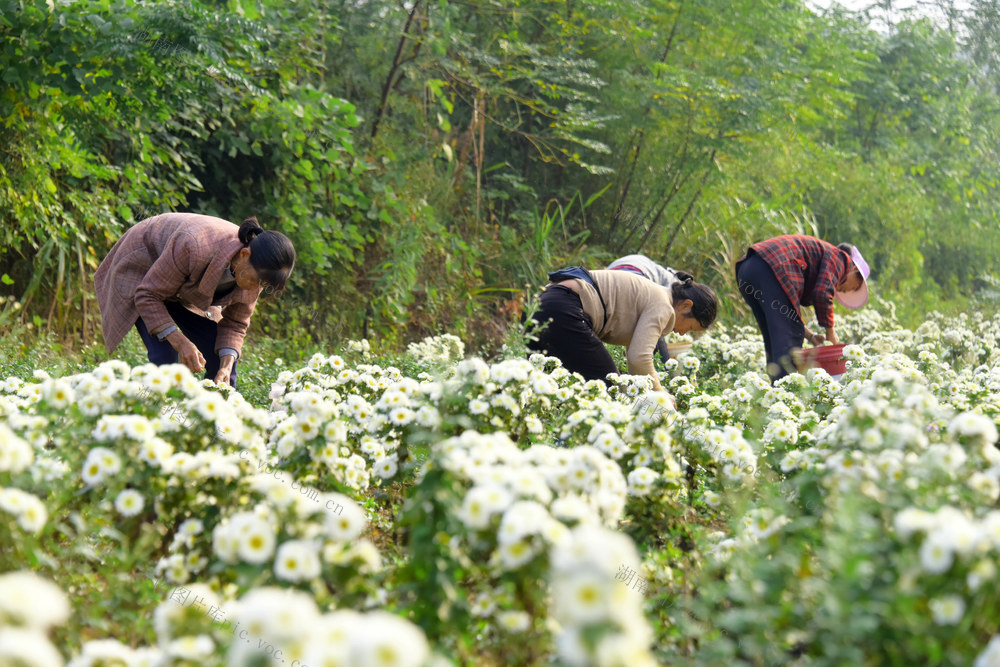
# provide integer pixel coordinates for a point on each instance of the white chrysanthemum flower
(513, 621)
(31, 601)
(279, 615)
(382, 639)
(984, 570)
(515, 554)
(15, 453)
(641, 480)
(335, 431)
(297, 560)
(344, 519)
(307, 426)
(948, 609)
(990, 525)
(853, 352)
(690, 363)
(533, 425)
(911, 520)
(191, 647)
(129, 502)
(255, 538)
(428, 417)
(522, 519)
(100, 464)
(969, 424)
(483, 606)
(570, 643)
(476, 511)
(401, 416)
(59, 394)
(583, 598)
(26, 647)
(139, 428)
(936, 555)
(155, 451)
(386, 467)
(761, 523)
(990, 656)
(209, 405)
(33, 513)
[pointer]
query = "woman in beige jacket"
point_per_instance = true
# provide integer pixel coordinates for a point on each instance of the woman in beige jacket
(585, 309)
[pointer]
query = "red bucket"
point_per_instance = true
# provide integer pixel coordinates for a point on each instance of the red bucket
(828, 357)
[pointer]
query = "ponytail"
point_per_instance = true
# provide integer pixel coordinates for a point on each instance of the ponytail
(272, 254)
(249, 230)
(704, 302)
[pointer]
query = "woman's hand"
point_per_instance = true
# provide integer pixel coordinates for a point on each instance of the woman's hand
(187, 353)
(831, 336)
(815, 338)
(225, 369)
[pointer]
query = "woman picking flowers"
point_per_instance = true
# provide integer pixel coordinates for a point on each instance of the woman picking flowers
(778, 276)
(189, 284)
(584, 308)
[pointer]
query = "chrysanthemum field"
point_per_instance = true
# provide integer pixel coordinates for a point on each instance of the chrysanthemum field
(438, 510)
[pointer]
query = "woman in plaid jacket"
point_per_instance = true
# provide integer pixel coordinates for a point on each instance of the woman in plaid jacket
(189, 284)
(778, 276)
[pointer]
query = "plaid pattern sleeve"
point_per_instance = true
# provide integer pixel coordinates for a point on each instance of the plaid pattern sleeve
(163, 280)
(809, 270)
(233, 327)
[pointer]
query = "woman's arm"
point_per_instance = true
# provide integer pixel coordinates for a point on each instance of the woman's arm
(229, 340)
(233, 327)
(830, 274)
(187, 352)
(647, 333)
(818, 339)
(162, 281)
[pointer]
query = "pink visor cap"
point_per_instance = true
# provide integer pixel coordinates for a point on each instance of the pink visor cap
(858, 297)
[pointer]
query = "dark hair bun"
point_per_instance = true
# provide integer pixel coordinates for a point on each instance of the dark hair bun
(249, 230)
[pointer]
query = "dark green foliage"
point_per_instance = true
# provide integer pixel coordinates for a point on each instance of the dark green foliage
(430, 159)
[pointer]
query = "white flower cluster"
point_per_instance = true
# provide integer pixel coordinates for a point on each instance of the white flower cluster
(527, 498)
(953, 535)
(589, 602)
(280, 626)
(30, 607)
(443, 349)
(15, 453)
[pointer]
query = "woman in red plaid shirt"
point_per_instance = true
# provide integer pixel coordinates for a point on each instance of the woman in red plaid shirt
(778, 276)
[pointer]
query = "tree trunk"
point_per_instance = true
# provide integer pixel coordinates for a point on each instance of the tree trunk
(397, 61)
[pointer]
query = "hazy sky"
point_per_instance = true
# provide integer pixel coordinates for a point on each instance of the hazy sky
(925, 7)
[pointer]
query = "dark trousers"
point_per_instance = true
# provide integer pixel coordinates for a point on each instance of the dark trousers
(661, 347)
(200, 330)
(776, 315)
(569, 335)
